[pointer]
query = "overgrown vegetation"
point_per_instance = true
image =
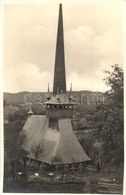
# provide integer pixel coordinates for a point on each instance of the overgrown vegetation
(109, 119)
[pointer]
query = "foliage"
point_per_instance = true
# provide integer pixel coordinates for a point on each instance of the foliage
(19, 115)
(56, 159)
(109, 118)
(22, 138)
(87, 144)
(38, 109)
(4, 103)
(12, 145)
(37, 151)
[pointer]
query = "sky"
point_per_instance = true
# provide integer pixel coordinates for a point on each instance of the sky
(93, 40)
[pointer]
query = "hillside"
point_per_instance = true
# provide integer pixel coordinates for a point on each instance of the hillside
(19, 98)
(86, 97)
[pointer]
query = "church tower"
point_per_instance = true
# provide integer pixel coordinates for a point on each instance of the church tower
(59, 72)
(59, 108)
(53, 133)
(59, 105)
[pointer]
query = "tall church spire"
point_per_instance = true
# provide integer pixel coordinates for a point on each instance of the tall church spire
(59, 72)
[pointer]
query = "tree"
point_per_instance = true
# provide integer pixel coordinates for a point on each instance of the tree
(109, 118)
(38, 151)
(20, 115)
(4, 103)
(12, 145)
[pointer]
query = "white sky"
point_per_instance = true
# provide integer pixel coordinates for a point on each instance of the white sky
(93, 36)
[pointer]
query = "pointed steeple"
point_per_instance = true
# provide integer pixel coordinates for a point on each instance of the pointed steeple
(70, 95)
(30, 112)
(70, 87)
(48, 95)
(59, 72)
(48, 88)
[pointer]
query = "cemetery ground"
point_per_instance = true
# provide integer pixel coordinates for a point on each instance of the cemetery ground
(88, 180)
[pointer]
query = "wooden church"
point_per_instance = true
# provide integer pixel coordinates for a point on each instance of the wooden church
(50, 138)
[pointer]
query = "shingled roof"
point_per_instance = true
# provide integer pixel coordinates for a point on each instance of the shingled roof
(50, 138)
(50, 145)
